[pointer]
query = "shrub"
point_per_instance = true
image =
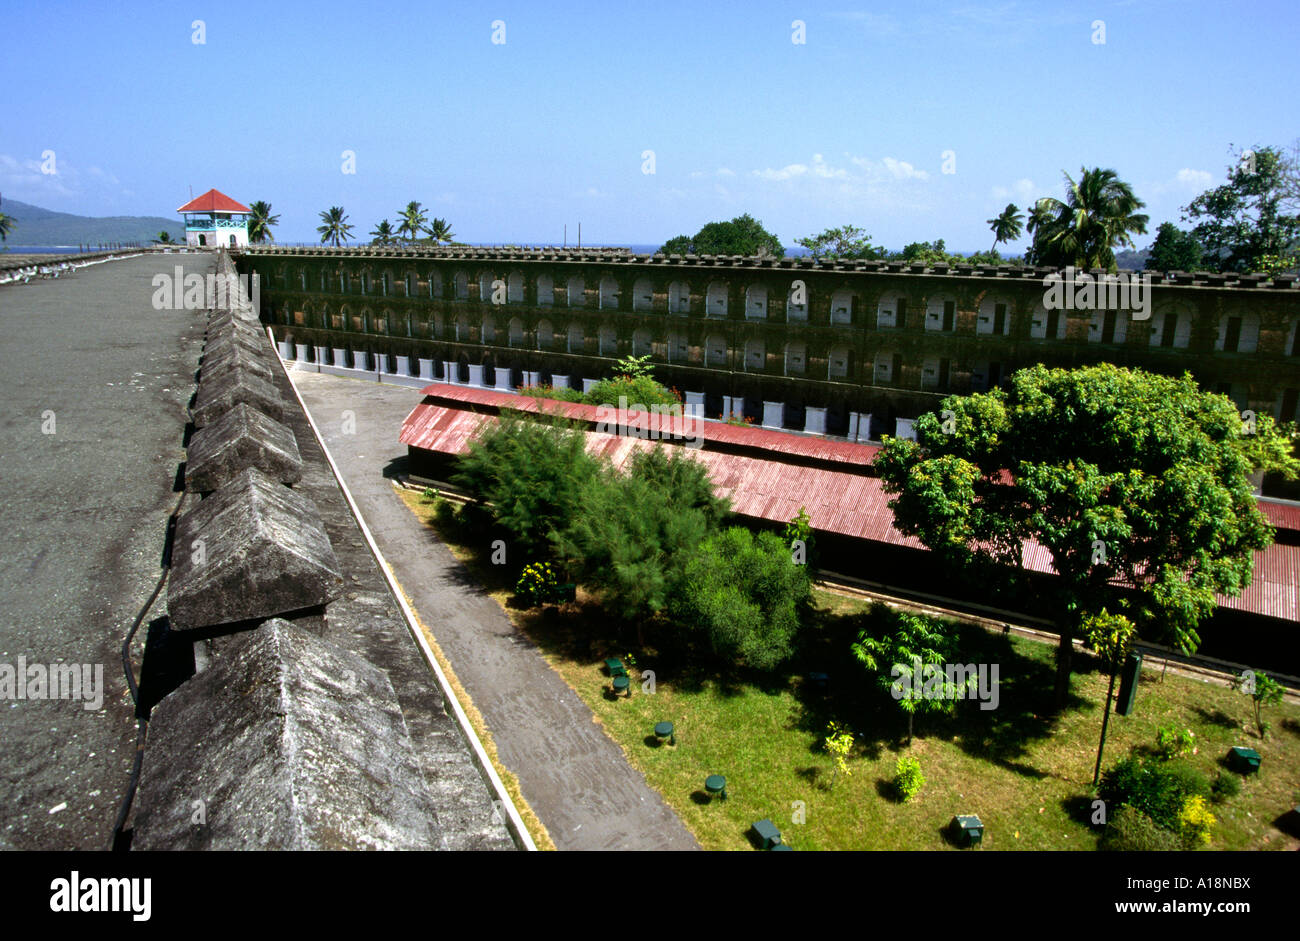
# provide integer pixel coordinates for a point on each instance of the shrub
(1173, 742)
(634, 390)
(908, 779)
(745, 592)
(537, 584)
(1158, 789)
(531, 473)
(429, 495)
(445, 516)
(1130, 830)
(1195, 821)
(1226, 785)
(558, 393)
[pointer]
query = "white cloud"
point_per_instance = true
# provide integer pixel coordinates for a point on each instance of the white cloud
(1193, 178)
(1023, 190)
(725, 171)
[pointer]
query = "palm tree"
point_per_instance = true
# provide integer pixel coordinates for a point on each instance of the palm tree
(1098, 214)
(6, 226)
(383, 234)
(1007, 226)
(440, 231)
(413, 219)
(335, 226)
(260, 221)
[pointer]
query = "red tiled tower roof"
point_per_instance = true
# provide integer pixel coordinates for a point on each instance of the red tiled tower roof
(213, 201)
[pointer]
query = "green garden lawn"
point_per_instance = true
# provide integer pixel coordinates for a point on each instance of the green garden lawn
(1026, 774)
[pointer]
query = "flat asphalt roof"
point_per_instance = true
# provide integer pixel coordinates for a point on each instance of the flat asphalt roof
(95, 383)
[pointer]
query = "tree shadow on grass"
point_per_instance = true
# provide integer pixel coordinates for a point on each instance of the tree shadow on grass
(1218, 717)
(1025, 705)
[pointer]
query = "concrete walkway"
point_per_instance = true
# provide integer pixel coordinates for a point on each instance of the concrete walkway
(575, 778)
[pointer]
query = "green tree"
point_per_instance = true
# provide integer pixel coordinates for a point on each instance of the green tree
(1174, 250)
(635, 532)
(743, 235)
(6, 226)
(678, 245)
(745, 594)
(1263, 691)
(897, 650)
(412, 221)
(383, 234)
(334, 226)
(531, 472)
(1124, 477)
(1097, 215)
(440, 231)
(802, 540)
(1252, 215)
(260, 222)
(1111, 636)
(846, 241)
(1007, 226)
(164, 238)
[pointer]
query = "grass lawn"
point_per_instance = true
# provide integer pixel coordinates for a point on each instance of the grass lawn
(1026, 774)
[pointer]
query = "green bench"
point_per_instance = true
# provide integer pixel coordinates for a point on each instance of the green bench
(769, 836)
(1244, 760)
(716, 784)
(967, 830)
(615, 667)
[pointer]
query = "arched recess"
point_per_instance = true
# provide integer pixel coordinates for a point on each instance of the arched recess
(515, 332)
(643, 294)
(545, 290)
(679, 298)
(576, 290)
(609, 293)
(715, 303)
(756, 302)
(545, 335)
(515, 288)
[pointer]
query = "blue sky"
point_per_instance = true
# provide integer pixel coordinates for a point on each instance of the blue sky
(512, 140)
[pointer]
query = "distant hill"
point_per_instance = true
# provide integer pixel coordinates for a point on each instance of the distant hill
(36, 226)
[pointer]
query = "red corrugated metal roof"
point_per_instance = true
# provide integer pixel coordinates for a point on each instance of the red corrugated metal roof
(213, 201)
(849, 504)
(747, 436)
(1281, 514)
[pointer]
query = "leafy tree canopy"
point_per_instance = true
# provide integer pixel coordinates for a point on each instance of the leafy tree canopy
(743, 235)
(745, 593)
(845, 241)
(1254, 214)
(532, 472)
(1174, 250)
(1123, 476)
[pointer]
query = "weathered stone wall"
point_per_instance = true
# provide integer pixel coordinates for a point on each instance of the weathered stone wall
(311, 722)
(407, 303)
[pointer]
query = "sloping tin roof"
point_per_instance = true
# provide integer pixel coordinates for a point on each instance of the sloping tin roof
(213, 201)
(848, 504)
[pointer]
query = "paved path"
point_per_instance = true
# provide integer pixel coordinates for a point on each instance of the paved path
(575, 778)
(84, 502)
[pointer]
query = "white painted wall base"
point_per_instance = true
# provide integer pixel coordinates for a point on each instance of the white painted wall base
(814, 421)
(773, 414)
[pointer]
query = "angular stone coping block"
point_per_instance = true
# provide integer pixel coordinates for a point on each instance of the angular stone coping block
(242, 313)
(237, 358)
(231, 328)
(223, 389)
(291, 743)
(240, 439)
(222, 342)
(253, 549)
